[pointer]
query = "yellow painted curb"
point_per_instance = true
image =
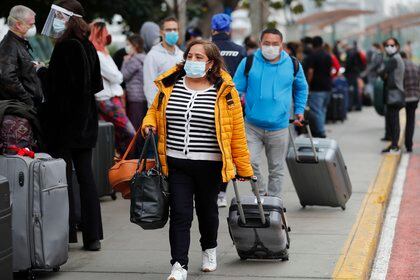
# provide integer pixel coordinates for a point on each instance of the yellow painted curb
(359, 251)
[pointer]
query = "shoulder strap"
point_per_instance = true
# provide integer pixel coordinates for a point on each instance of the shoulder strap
(295, 62)
(248, 64)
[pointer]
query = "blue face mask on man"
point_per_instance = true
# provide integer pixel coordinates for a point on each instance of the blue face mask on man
(59, 25)
(195, 69)
(171, 37)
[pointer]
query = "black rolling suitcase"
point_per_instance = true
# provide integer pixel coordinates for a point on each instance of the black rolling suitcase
(258, 226)
(103, 158)
(6, 250)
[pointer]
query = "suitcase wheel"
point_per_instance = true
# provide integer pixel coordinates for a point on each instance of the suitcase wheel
(56, 269)
(289, 229)
(343, 207)
(303, 205)
(243, 258)
(285, 259)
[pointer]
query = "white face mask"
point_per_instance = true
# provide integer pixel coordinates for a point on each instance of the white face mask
(390, 50)
(270, 52)
(31, 32)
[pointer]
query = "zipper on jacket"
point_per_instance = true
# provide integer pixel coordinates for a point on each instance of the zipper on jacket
(220, 135)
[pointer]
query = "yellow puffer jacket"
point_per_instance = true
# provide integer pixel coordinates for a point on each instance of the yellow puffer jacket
(229, 123)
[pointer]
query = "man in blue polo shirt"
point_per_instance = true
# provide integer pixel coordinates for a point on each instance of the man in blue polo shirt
(274, 81)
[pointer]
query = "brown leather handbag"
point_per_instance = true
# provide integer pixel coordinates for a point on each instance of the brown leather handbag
(122, 172)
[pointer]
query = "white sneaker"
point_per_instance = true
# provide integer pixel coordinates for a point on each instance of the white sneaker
(209, 260)
(177, 272)
(221, 202)
(221, 199)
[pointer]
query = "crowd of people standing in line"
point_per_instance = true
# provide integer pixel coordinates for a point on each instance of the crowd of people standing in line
(214, 105)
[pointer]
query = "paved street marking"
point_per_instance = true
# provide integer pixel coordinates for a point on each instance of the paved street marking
(380, 267)
(357, 256)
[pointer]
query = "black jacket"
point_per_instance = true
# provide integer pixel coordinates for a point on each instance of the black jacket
(70, 115)
(18, 78)
(231, 52)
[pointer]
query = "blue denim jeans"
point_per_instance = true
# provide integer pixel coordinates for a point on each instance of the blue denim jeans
(318, 103)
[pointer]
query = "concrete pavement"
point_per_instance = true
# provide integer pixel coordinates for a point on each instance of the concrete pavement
(318, 233)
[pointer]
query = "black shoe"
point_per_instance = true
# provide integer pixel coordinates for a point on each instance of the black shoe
(385, 139)
(92, 246)
(391, 150)
(409, 150)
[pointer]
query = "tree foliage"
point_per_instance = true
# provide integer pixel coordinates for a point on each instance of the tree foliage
(134, 12)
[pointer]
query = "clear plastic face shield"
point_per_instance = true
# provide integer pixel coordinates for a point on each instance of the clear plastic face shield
(55, 25)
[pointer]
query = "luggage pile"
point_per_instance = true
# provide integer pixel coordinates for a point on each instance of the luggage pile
(40, 210)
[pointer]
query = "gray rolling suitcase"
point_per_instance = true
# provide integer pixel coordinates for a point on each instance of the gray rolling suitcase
(39, 211)
(103, 158)
(6, 251)
(258, 226)
(318, 171)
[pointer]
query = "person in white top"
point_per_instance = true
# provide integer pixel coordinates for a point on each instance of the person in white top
(110, 106)
(161, 57)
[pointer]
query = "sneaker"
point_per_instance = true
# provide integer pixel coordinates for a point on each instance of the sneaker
(178, 272)
(221, 202)
(221, 199)
(209, 260)
(391, 150)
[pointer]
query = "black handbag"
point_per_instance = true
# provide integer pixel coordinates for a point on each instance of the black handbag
(395, 98)
(149, 192)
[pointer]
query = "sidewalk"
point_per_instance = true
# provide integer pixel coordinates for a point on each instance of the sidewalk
(317, 238)
(398, 255)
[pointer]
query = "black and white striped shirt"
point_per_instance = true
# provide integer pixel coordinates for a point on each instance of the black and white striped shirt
(191, 132)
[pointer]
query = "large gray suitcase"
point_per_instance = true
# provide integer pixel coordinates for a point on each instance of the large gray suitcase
(318, 171)
(39, 211)
(6, 253)
(258, 226)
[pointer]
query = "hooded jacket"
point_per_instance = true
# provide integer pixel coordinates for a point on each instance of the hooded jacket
(229, 123)
(269, 90)
(158, 61)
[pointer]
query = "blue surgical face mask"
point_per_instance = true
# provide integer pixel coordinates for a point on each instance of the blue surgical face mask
(195, 69)
(171, 37)
(59, 25)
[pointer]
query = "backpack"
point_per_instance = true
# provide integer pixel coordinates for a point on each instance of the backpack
(250, 60)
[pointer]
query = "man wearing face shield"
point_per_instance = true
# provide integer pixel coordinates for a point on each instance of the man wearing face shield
(18, 78)
(272, 84)
(70, 117)
(161, 57)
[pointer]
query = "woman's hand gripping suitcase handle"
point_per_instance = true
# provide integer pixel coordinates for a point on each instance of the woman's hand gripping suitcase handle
(254, 186)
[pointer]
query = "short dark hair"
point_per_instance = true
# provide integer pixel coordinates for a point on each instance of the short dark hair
(317, 41)
(137, 41)
(271, 31)
(193, 32)
(376, 45)
(167, 19)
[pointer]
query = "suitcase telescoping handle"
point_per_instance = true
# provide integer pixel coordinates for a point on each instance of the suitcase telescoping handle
(311, 139)
(253, 180)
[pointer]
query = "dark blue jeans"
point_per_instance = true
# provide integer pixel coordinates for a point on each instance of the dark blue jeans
(318, 103)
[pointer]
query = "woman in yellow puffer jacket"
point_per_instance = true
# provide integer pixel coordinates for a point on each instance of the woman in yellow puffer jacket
(197, 115)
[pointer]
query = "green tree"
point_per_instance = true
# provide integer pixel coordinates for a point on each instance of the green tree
(134, 12)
